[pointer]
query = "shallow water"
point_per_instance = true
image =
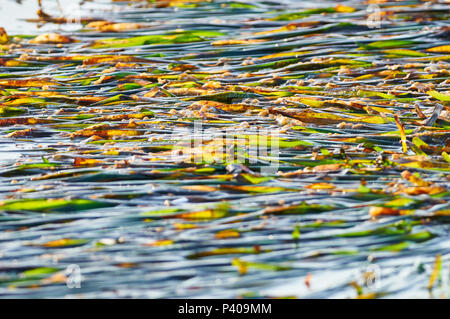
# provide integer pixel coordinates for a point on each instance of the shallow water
(136, 236)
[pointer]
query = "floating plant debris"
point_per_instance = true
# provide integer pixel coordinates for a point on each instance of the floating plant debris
(226, 149)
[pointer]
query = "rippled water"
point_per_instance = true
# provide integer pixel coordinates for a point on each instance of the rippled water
(139, 232)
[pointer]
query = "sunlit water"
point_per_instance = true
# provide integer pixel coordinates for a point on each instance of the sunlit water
(118, 258)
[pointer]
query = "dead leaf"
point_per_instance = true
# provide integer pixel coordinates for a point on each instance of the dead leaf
(320, 186)
(376, 211)
(227, 233)
(3, 36)
(200, 188)
(236, 41)
(51, 38)
(106, 26)
(87, 162)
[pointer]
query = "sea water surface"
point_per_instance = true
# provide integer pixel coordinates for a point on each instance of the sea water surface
(117, 216)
